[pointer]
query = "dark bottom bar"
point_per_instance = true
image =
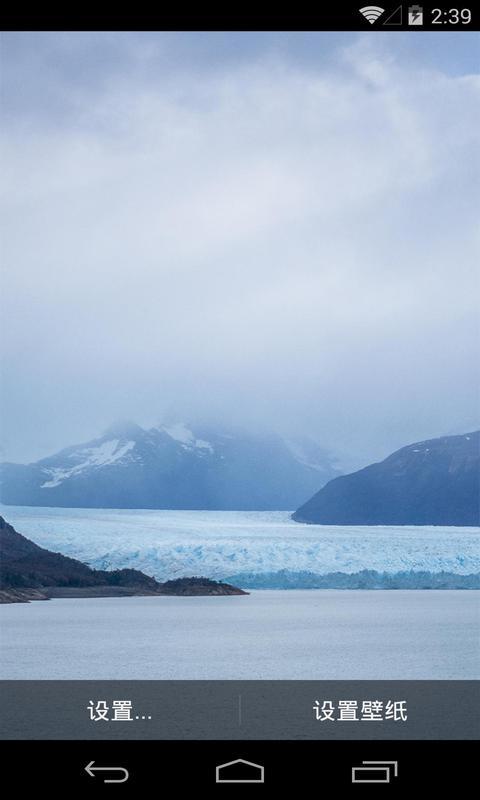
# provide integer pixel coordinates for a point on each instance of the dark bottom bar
(226, 767)
(221, 710)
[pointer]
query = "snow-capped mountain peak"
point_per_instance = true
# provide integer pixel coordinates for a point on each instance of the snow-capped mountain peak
(171, 466)
(108, 452)
(179, 432)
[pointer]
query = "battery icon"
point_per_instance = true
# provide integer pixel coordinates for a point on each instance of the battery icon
(415, 15)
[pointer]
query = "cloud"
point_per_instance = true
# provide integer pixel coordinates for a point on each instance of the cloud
(276, 242)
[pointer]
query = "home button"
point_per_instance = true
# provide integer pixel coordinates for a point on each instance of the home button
(240, 771)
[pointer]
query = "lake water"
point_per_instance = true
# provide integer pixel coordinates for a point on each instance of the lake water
(266, 635)
(294, 634)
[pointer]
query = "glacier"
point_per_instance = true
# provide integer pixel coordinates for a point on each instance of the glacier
(222, 544)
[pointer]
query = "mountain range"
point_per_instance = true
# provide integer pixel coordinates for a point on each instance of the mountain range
(176, 466)
(434, 482)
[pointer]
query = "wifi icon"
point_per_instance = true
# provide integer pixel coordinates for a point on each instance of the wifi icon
(371, 13)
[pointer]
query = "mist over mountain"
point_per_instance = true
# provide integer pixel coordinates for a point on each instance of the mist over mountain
(434, 482)
(173, 466)
(250, 229)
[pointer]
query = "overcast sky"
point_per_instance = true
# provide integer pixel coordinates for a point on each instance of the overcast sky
(274, 230)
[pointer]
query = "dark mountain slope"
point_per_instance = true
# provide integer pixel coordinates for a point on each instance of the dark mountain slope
(24, 564)
(435, 482)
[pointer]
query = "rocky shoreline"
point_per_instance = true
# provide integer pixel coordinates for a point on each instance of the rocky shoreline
(188, 587)
(29, 572)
